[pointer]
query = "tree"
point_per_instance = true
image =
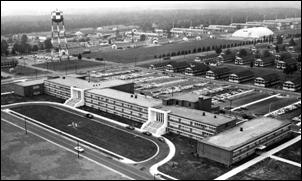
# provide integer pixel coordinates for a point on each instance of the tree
(4, 46)
(24, 39)
(218, 50)
(292, 42)
(266, 53)
(279, 39)
(80, 56)
(227, 52)
(252, 64)
(48, 44)
(142, 37)
(242, 52)
(35, 48)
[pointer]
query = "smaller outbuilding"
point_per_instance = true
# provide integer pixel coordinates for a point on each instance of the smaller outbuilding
(29, 88)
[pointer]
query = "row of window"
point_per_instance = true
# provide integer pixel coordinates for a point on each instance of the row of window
(190, 122)
(199, 132)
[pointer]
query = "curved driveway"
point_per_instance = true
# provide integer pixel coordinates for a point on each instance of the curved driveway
(142, 167)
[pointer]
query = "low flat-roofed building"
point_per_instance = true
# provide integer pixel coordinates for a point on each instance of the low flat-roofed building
(195, 124)
(29, 88)
(177, 66)
(264, 61)
(281, 64)
(130, 106)
(197, 69)
(241, 76)
(267, 80)
(292, 84)
(239, 142)
(190, 100)
(218, 73)
(244, 60)
(227, 58)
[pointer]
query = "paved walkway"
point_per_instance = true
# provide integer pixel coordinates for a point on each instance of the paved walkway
(258, 159)
(285, 160)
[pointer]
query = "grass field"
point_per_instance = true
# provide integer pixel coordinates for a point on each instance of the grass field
(69, 65)
(117, 141)
(28, 157)
(269, 169)
(13, 98)
(186, 165)
(21, 70)
(146, 53)
(291, 153)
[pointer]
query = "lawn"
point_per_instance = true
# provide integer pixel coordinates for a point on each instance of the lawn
(22, 70)
(117, 141)
(146, 53)
(112, 116)
(186, 165)
(292, 152)
(13, 98)
(69, 65)
(269, 169)
(28, 157)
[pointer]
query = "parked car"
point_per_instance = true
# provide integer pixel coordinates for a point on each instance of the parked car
(161, 139)
(147, 133)
(90, 116)
(130, 127)
(79, 149)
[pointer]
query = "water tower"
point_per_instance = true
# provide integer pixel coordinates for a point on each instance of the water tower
(58, 36)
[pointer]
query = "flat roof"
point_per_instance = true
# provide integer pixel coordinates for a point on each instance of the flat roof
(189, 96)
(197, 115)
(141, 100)
(30, 82)
(234, 138)
(84, 84)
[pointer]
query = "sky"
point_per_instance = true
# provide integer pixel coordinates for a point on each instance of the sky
(68, 7)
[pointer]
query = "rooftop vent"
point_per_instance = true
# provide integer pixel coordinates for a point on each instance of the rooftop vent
(131, 95)
(63, 77)
(203, 113)
(241, 128)
(135, 96)
(215, 116)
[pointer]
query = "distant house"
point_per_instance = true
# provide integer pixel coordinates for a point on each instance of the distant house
(264, 61)
(206, 58)
(177, 66)
(281, 64)
(267, 80)
(292, 84)
(197, 69)
(244, 60)
(227, 58)
(218, 73)
(159, 66)
(241, 76)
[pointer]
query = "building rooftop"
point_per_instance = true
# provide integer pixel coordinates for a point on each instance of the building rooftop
(84, 84)
(197, 115)
(189, 96)
(141, 100)
(252, 130)
(30, 82)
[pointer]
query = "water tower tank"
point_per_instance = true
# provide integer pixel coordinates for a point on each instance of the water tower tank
(57, 16)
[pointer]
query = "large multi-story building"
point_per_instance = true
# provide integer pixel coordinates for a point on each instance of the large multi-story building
(239, 142)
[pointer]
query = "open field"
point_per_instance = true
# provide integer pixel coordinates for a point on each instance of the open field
(69, 65)
(112, 116)
(13, 98)
(269, 169)
(291, 153)
(22, 70)
(145, 53)
(117, 141)
(28, 157)
(276, 103)
(186, 165)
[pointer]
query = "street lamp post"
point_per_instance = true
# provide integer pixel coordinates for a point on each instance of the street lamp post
(269, 107)
(78, 145)
(25, 125)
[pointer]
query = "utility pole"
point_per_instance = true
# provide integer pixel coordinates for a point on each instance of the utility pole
(78, 145)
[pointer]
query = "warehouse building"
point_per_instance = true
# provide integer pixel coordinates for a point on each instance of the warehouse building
(264, 61)
(237, 143)
(218, 73)
(267, 80)
(241, 76)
